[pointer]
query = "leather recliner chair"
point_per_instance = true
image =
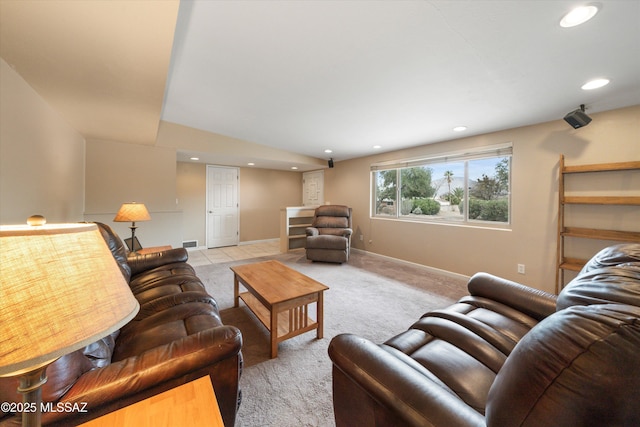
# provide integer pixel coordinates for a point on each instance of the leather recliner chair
(329, 237)
(506, 355)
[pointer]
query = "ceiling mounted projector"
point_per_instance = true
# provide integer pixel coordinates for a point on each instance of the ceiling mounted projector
(577, 118)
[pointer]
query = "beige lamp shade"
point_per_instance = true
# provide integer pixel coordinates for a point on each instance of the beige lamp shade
(60, 290)
(132, 212)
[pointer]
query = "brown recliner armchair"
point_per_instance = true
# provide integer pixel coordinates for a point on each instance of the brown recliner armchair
(505, 355)
(329, 237)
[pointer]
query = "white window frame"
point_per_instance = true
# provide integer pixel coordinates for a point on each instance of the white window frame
(494, 151)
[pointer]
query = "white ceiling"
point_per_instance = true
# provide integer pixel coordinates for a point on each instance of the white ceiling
(304, 76)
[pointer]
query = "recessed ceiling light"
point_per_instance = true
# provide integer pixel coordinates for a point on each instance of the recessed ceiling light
(578, 16)
(251, 164)
(295, 168)
(194, 158)
(459, 128)
(328, 151)
(595, 84)
(377, 147)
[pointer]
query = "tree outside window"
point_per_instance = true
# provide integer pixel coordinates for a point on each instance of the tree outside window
(489, 190)
(386, 192)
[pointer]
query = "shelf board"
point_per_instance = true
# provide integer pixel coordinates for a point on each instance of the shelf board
(297, 236)
(602, 167)
(573, 264)
(261, 312)
(296, 243)
(602, 200)
(593, 233)
(284, 321)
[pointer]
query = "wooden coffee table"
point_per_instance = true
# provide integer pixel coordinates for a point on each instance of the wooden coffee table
(279, 297)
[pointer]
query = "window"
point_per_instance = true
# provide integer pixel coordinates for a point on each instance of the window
(469, 187)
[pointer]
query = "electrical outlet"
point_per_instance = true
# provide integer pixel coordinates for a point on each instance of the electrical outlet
(521, 268)
(361, 238)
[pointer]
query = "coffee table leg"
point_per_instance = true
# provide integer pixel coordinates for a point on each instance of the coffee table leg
(236, 291)
(320, 315)
(274, 332)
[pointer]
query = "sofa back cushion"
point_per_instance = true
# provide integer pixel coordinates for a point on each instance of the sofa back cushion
(332, 216)
(580, 366)
(117, 249)
(611, 276)
(617, 284)
(614, 255)
(100, 352)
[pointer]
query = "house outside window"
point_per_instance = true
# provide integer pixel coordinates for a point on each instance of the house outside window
(464, 188)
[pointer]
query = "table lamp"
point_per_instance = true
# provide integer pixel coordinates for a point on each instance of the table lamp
(132, 212)
(60, 290)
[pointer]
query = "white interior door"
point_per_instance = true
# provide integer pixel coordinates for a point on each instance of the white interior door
(222, 206)
(313, 188)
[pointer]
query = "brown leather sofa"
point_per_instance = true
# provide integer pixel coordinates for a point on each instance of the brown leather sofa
(176, 337)
(329, 237)
(506, 355)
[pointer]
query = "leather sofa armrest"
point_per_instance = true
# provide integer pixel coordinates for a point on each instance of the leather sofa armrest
(534, 302)
(347, 232)
(164, 363)
(402, 392)
(312, 231)
(144, 262)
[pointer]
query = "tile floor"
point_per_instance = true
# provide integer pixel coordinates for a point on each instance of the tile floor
(233, 253)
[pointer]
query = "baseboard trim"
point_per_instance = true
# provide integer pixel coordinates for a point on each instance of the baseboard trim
(414, 264)
(253, 242)
(249, 242)
(199, 248)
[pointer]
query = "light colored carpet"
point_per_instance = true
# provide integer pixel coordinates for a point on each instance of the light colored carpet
(370, 296)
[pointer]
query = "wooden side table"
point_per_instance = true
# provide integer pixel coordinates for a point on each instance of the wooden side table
(193, 404)
(153, 249)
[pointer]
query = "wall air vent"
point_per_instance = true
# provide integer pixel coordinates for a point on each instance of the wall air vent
(190, 244)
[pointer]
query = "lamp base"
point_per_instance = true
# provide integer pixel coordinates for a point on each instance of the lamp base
(133, 238)
(31, 389)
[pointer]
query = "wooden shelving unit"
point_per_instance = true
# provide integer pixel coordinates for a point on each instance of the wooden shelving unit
(575, 264)
(294, 221)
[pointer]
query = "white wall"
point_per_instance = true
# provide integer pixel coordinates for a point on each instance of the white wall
(41, 156)
(119, 172)
(192, 200)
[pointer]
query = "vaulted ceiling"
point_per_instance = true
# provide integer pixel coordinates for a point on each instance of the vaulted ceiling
(307, 76)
